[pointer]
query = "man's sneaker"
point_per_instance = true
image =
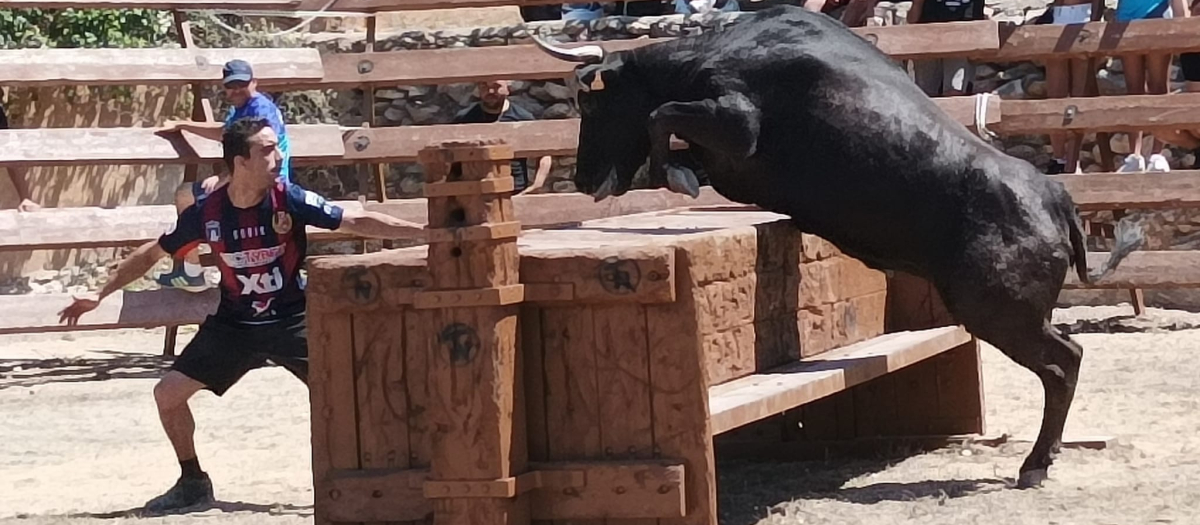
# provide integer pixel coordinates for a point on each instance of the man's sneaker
(187, 492)
(1134, 163)
(1159, 163)
(177, 278)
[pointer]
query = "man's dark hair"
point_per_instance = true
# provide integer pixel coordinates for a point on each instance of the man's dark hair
(236, 139)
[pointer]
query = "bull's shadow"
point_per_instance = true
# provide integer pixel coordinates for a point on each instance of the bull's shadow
(748, 490)
(228, 507)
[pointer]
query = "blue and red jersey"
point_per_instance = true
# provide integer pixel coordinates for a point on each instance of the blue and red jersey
(260, 250)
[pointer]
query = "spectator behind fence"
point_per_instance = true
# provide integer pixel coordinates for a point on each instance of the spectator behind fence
(19, 176)
(1190, 65)
(494, 106)
(241, 89)
(1070, 77)
(1148, 74)
(944, 76)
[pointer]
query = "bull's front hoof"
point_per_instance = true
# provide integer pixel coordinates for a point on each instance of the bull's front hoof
(1032, 478)
(681, 179)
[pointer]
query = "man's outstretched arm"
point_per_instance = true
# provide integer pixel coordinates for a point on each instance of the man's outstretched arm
(136, 265)
(379, 226)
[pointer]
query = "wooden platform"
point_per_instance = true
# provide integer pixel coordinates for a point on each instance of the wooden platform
(752, 398)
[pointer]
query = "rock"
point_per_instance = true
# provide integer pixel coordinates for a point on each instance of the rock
(1188, 159)
(1115, 65)
(640, 26)
(390, 94)
(420, 91)
(1022, 151)
(564, 186)
(411, 185)
(557, 111)
(424, 114)
(43, 276)
(461, 94)
(1036, 88)
(1021, 71)
(1110, 84)
(393, 114)
(1011, 90)
(985, 71)
(1120, 144)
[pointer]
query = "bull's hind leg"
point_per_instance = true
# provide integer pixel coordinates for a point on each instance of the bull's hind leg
(1055, 359)
(727, 126)
(1017, 324)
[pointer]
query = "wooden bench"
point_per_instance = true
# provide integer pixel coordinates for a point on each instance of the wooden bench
(151, 66)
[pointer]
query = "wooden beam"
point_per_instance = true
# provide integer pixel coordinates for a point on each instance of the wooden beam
(755, 397)
(56, 67)
(90, 227)
(1098, 39)
(1110, 191)
(151, 4)
(141, 146)
(1115, 113)
(1145, 269)
(144, 309)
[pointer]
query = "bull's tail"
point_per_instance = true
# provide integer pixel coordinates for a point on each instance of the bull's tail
(1129, 236)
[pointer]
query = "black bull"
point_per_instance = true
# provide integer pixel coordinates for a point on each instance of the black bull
(790, 111)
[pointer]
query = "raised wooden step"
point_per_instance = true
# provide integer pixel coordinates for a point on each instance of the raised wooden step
(759, 396)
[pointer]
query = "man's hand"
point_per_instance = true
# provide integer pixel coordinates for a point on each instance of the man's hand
(211, 183)
(80, 306)
(28, 205)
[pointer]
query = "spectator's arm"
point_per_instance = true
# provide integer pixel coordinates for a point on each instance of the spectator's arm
(543, 172)
(208, 130)
(1097, 10)
(1179, 9)
(379, 226)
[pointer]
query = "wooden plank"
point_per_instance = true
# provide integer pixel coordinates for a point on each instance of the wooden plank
(376, 495)
(1115, 113)
(151, 4)
(978, 38)
(679, 396)
(334, 421)
(401, 143)
(142, 146)
(382, 405)
(631, 491)
(147, 66)
(1099, 39)
(144, 309)
(1110, 191)
(1145, 269)
(91, 227)
(759, 396)
(605, 274)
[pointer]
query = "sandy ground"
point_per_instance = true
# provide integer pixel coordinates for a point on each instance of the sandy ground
(80, 443)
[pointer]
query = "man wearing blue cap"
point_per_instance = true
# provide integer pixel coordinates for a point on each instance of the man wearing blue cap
(241, 89)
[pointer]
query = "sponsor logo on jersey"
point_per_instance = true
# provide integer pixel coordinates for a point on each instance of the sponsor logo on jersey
(253, 258)
(262, 283)
(282, 222)
(212, 231)
(261, 307)
(250, 232)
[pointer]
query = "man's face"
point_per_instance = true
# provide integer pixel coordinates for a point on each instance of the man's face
(264, 160)
(238, 92)
(493, 93)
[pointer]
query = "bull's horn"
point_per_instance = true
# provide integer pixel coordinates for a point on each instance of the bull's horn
(586, 54)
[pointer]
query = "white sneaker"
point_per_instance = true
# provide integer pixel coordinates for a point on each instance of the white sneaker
(1159, 163)
(1133, 163)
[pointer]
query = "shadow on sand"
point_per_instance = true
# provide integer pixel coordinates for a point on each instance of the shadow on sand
(274, 509)
(749, 490)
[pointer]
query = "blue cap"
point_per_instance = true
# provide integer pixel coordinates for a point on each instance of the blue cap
(237, 70)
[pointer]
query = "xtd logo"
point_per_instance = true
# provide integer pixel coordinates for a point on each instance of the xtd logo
(262, 283)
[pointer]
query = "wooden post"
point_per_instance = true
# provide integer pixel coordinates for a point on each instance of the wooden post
(473, 302)
(201, 112)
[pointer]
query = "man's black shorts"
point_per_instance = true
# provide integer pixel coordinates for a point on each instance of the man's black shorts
(223, 351)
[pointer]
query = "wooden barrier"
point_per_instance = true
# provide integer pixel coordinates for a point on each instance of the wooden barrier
(584, 373)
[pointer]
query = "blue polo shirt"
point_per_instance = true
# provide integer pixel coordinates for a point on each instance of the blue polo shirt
(261, 105)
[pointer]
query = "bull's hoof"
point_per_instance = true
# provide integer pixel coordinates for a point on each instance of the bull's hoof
(1032, 478)
(681, 179)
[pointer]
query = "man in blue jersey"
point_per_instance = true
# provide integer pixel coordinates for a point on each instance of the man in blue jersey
(256, 226)
(241, 89)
